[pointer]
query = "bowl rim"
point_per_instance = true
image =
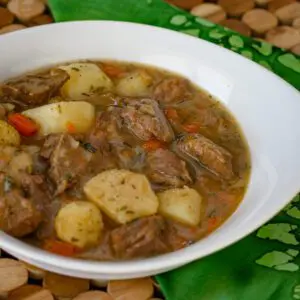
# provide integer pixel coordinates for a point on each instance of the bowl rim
(165, 261)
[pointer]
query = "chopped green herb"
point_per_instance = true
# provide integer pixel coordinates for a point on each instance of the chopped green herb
(88, 147)
(68, 177)
(123, 208)
(75, 69)
(7, 184)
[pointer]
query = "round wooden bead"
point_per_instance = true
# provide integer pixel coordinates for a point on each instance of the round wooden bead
(6, 17)
(64, 286)
(296, 49)
(210, 11)
(25, 10)
(13, 274)
(260, 20)
(185, 4)
(275, 4)
(41, 20)
(288, 13)
(237, 26)
(262, 3)
(11, 28)
(296, 23)
(236, 8)
(283, 37)
(93, 295)
(141, 289)
(30, 292)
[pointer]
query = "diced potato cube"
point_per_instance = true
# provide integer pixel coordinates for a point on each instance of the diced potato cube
(8, 135)
(60, 117)
(182, 205)
(20, 164)
(135, 84)
(79, 223)
(122, 195)
(85, 79)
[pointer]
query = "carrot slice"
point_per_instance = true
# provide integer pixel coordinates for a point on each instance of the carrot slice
(171, 113)
(112, 70)
(152, 145)
(71, 128)
(212, 224)
(22, 124)
(61, 248)
(191, 128)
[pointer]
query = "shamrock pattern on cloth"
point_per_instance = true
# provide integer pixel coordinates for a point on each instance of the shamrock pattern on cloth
(159, 13)
(285, 233)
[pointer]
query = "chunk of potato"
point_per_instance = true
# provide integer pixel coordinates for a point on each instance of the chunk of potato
(79, 223)
(85, 78)
(182, 205)
(60, 117)
(122, 195)
(20, 164)
(8, 135)
(134, 84)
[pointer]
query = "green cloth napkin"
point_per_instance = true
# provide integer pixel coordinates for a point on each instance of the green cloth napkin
(265, 265)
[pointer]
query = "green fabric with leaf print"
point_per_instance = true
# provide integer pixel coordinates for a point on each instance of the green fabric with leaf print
(266, 264)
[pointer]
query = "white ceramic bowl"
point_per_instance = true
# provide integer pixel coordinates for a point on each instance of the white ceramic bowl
(266, 107)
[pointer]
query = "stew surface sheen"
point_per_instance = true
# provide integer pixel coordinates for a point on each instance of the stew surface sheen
(111, 160)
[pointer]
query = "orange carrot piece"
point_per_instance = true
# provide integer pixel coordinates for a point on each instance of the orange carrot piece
(171, 113)
(22, 124)
(112, 70)
(213, 223)
(71, 128)
(152, 145)
(60, 248)
(191, 128)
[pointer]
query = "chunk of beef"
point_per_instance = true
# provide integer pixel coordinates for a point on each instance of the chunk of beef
(166, 169)
(112, 149)
(141, 238)
(172, 90)
(67, 160)
(180, 236)
(144, 119)
(103, 252)
(37, 189)
(18, 215)
(34, 89)
(104, 131)
(213, 157)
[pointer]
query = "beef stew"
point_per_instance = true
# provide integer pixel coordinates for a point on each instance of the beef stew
(110, 160)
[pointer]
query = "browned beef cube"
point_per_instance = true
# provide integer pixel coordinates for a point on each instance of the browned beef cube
(141, 238)
(34, 89)
(144, 119)
(18, 215)
(172, 90)
(166, 169)
(67, 160)
(213, 157)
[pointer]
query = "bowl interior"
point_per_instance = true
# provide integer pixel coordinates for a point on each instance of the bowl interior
(265, 106)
